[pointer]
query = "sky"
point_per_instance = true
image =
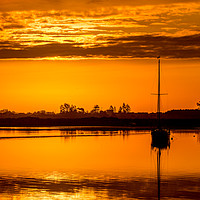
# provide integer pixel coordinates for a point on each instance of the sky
(89, 52)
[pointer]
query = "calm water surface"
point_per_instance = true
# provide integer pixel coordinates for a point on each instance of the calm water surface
(109, 165)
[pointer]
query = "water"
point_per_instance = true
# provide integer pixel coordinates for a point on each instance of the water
(100, 164)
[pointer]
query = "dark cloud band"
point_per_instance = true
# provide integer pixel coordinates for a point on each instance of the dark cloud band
(124, 47)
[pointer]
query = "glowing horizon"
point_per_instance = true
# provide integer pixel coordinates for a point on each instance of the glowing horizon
(91, 52)
(45, 85)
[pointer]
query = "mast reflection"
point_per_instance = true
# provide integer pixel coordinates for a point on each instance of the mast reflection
(159, 147)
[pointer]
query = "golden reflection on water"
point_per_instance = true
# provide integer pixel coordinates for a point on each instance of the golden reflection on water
(117, 166)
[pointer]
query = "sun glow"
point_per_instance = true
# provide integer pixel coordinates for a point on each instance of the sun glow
(79, 34)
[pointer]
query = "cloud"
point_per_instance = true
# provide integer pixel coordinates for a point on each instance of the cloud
(20, 5)
(96, 1)
(13, 26)
(146, 46)
(167, 30)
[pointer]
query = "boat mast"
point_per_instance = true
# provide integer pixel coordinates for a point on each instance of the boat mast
(158, 106)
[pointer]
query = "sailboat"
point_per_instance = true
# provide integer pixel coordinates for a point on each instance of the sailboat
(160, 136)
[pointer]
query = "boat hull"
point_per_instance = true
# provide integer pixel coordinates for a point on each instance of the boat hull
(160, 138)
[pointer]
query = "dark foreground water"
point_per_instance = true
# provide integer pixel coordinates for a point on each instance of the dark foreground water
(109, 165)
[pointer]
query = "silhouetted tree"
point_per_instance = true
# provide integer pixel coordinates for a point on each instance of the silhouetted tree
(125, 108)
(128, 108)
(120, 109)
(4, 111)
(72, 108)
(112, 109)
(96, 109)
(198, 104)
(62, 109)
(65, 108)
(81, 110)
(43, 112)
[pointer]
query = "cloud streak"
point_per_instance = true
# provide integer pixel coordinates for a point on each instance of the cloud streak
(108, 32)
(124, 47)
(22, 5)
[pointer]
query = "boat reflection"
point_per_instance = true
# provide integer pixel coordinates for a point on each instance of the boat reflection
(159, 145)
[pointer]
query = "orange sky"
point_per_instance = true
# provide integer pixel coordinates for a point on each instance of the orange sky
(36, 85)
(107, 49)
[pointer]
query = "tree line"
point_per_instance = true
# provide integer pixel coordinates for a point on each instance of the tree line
(67, 108)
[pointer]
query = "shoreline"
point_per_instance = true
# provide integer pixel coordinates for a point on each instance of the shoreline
(88, 128)
(94, 123)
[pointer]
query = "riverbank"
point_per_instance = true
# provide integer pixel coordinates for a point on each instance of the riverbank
(101, 123)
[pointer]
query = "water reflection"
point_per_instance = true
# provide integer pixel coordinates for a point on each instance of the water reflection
(108, 188)
(100, 167)
(159, 150)
(97, 132)
(39, 132)
(111, 188)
